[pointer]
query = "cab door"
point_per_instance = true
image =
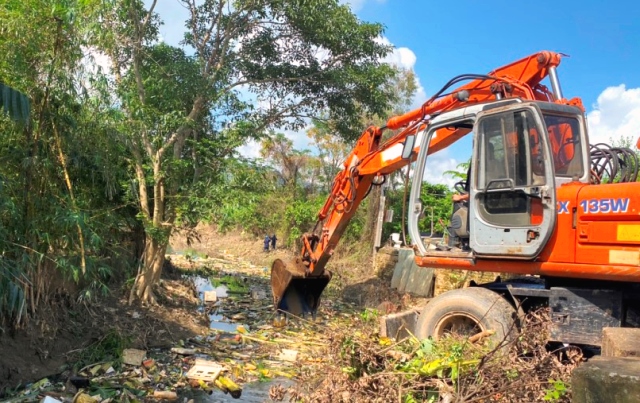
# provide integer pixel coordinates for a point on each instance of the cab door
(513, 189)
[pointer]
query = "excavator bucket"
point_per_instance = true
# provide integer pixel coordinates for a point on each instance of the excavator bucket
(293, 291)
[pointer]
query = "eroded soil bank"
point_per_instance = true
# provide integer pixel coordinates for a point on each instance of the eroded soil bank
(77, 352)
(71, 339)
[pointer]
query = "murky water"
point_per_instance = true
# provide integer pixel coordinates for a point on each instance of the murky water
(252, 392)
(204, 284)
(256, 392)
(218, 321)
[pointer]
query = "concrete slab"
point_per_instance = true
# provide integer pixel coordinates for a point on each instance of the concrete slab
(620, 342)
(403, 255)
(132, 356)
(420, 281)
(398, 325)
(607, 379)
(406, 275)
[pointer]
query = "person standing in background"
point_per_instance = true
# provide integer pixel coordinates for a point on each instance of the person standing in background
(273, 241)
(266, 243)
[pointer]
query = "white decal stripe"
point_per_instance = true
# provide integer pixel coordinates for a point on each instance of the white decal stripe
(395, 151)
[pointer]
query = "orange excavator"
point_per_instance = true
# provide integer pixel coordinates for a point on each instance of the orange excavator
(542, 203)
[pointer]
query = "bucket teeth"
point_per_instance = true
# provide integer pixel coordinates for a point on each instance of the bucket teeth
(295, 292)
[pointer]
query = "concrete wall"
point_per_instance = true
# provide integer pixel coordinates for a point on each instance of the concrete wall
(398, 266)
(409, 278)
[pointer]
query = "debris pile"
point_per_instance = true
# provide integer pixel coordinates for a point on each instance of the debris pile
(369, 368)
(341, 357)
(247, 343)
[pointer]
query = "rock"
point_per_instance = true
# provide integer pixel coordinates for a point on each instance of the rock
(288, 355)
(210, 296)
(258, 294)
(399, 325)
(620, 342)
(132, 356)
(183, 351)
(607, 379)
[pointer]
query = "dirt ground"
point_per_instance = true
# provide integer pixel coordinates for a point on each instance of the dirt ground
(49, 344)
(208, 241)
(46, 345)
(352, 270)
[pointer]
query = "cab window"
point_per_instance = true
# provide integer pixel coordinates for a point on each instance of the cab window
(564, 139)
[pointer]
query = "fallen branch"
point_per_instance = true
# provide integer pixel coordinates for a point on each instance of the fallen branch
(257, 339)
(481, 335)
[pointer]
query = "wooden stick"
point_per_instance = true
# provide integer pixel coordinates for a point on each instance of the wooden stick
(481, 335)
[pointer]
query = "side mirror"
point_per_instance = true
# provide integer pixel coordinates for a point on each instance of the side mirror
(638, 143)
(408, 147)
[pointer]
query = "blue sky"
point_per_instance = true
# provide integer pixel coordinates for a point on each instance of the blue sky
(450, 38)
(441, 39)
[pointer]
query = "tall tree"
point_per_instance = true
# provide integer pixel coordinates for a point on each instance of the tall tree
(289, 162)
(256, 65)
(58, 171)
(332, 150)
(401, 87)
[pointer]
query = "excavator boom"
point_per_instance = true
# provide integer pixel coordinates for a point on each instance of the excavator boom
(298, 284)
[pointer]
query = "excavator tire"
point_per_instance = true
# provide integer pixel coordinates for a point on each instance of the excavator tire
(468, 312)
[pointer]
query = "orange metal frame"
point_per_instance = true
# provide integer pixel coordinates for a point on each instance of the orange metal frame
(581, 245)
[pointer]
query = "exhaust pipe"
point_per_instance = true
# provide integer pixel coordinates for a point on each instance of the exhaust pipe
(294, 291)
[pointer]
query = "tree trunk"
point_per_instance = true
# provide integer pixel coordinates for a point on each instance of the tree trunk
(150, 270)
(369, 229)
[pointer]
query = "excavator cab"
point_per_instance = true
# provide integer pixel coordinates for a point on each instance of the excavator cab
(511, 210)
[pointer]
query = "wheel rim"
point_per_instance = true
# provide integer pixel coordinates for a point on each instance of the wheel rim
(457, 323)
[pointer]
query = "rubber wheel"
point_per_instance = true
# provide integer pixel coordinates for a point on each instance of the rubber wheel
(466, 312)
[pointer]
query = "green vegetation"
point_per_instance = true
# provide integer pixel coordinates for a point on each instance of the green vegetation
(452, 368)
(101, 162)
(557, 390)
(233, 284)
(107, 350)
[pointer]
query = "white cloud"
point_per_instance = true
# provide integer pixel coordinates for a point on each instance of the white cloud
(401, 57)
(405, 58)
(250, 150)
(95, 64)
(615, 115)
(95, 60)
(299, 138)
(437, 165)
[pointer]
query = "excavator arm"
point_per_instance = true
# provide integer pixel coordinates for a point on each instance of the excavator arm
(298, 284)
